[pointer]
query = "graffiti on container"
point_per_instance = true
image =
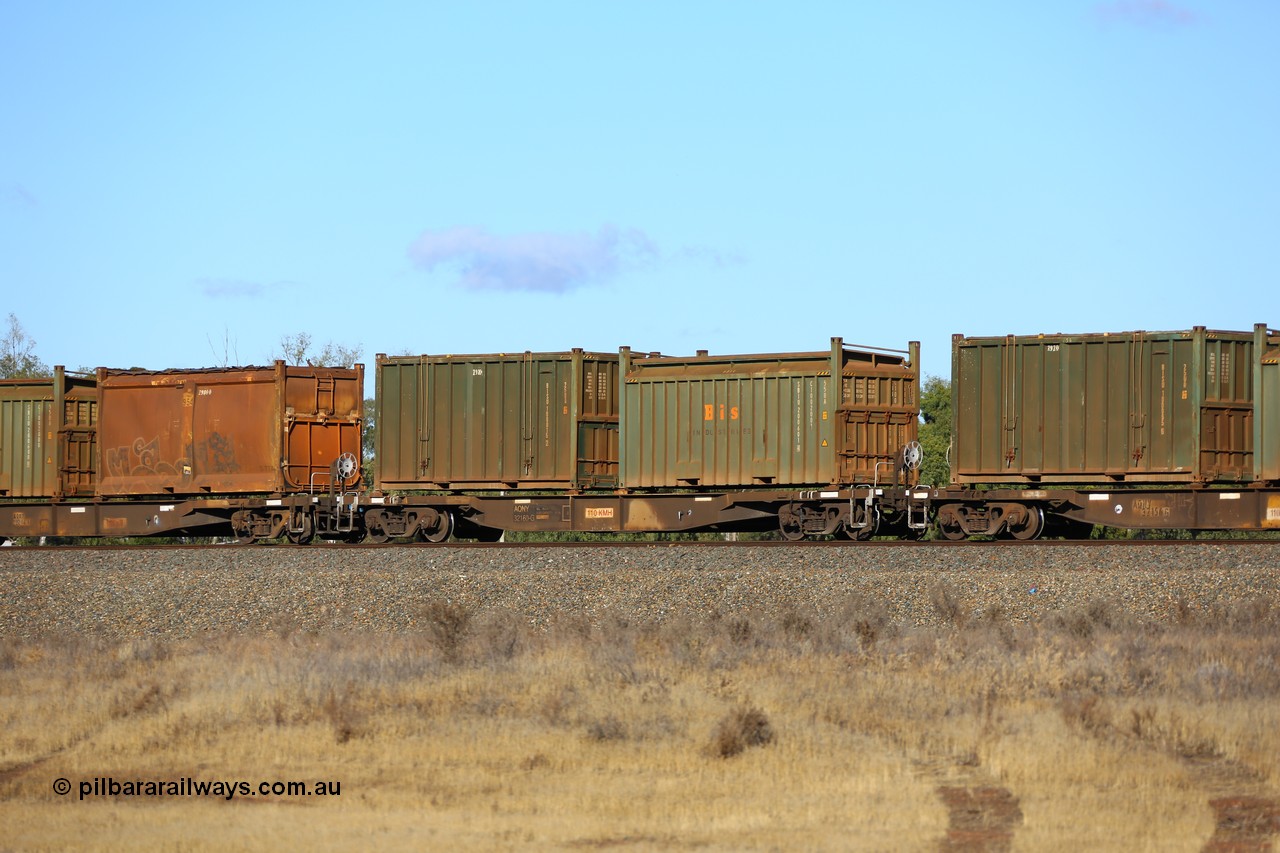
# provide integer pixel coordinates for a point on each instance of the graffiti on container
(139, 459)
(143, 458)
(220, 452)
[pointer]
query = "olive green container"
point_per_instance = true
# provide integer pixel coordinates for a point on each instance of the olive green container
(47, 436)
(836, 417)
(1266, 424)
(1136, 407)
(500, 421)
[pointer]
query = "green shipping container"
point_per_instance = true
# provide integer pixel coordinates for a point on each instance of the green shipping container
(1266, 423)
(1136, 407)
(47, 436)
(500, 421)
(839, 417)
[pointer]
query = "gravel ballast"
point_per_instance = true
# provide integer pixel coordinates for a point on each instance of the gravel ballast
(188, 592)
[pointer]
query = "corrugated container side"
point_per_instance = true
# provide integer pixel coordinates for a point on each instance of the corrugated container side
(1266, 424)
(226, 431)
(880, 413)
(789, 419)
(530, 420)
(27, 445)
(398, 399)
(47, 429)
(323, 419)
(1141, 407)
(78, 467)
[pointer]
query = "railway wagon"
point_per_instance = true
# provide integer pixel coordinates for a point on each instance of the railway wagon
(1137, 430)
(499, 421)
(806, 443)
(1141, 408)
(839, 416)
(48, 436)
(228, 431)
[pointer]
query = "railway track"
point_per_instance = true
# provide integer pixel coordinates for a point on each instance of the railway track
(182, 591)
(836, 544)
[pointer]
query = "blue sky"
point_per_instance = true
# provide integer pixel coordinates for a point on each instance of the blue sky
(182, 186)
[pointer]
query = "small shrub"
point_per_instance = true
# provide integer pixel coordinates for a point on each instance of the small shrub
(1087, 712)
(343, 714)
(796, 626)
(742, 728)
(449, 624)
(948, 605)
(606, 729)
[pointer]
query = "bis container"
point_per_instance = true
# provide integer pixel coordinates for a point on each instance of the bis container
(839, 417)
(1194, 406)
(501, 421)
(238, 430)
(47, 436)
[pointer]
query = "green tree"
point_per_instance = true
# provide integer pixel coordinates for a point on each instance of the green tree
(18, 354)
(368, 440)
(935, 432)
(296, 349)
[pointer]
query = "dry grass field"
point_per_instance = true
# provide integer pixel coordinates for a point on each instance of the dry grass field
(1087, 730)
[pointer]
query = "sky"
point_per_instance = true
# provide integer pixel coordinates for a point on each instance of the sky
(184, 185)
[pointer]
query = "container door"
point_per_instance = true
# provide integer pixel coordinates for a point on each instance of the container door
(597, 455)
(28, 469)
(323, 408)
(233, 443)
(1226, 414)
(1266, 426)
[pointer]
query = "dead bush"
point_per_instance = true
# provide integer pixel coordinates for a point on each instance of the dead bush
(344, 714)
(948, 605)
(1086, 712)
(607, 728)
(740, 729)
(449, 625)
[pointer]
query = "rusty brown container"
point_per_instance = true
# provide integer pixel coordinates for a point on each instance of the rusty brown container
(499, 421)
(238, 430)
(838, 417)
(1136, 407)
(47, 436)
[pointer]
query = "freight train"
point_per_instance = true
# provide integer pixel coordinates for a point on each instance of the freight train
(1051, 435)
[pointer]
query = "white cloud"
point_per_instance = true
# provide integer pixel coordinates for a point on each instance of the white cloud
(536, 262)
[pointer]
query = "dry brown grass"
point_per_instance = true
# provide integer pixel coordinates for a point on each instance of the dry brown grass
(1090, 730)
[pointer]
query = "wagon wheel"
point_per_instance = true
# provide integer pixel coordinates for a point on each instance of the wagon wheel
(242, 528)
(1032, 527)
(790, 525)
(375, 528)
(950, 523)
(437, 531)
(306, 534)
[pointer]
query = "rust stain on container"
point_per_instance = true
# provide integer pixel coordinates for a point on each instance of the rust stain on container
(230, 430)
